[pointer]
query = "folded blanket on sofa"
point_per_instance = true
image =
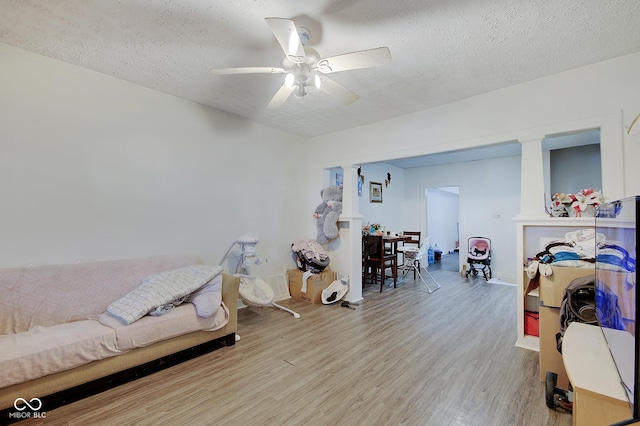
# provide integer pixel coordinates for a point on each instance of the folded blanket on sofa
(161, 289)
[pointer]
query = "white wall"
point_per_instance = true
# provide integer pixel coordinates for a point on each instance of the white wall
(489, 199)
(534, 109)
(95, 168)
(504, 115)
(572, 169)
(443, 208)
(388, 213)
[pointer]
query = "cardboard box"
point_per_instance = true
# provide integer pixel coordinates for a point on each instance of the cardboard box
(315, 284)
(551, 293)
(550, 358)
(552, 287)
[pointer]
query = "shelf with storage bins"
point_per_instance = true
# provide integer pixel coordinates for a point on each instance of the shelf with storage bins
(533, 234)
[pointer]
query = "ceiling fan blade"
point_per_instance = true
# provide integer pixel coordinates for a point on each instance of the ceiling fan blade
(280, 97)
(354, 60)
(247, 70)
(337, 91)
(287, 35)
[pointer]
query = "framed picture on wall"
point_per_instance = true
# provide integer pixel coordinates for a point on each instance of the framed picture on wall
(375, 192)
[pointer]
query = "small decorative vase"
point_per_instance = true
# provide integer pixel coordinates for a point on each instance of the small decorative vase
(558, 211)
(590, 211)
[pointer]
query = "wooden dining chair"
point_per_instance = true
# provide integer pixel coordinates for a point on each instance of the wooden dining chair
(369, 250)
(375, 259)
(415, 238)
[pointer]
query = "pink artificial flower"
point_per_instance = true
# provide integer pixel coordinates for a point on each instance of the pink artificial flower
(586, 197)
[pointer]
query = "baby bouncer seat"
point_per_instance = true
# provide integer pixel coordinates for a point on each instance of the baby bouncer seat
(253, 291)
(479, 257)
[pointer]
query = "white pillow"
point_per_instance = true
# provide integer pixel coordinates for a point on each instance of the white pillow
(207, 299)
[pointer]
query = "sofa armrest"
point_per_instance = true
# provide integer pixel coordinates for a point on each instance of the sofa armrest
(230, 293)
(230, 289)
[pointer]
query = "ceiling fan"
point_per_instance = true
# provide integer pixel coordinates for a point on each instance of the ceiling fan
(305, 68)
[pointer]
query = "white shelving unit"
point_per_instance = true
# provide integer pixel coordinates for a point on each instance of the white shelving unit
(532, 222)
(533, 234)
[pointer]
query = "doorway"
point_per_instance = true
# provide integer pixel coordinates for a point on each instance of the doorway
(443, 225)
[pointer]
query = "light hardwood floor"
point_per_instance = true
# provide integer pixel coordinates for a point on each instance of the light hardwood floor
(402, 357)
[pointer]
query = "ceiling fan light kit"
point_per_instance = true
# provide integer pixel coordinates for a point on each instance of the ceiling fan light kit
(289, 79)
(304, 67)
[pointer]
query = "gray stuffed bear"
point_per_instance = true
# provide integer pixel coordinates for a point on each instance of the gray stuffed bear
(327, 213)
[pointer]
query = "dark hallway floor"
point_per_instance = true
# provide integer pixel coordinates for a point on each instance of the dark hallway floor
(448, 262)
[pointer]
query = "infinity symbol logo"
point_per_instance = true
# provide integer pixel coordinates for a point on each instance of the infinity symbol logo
(33, 407)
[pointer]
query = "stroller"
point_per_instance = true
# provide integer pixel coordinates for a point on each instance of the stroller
(479, 254)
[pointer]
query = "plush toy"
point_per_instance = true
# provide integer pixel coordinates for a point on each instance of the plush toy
(327, 213)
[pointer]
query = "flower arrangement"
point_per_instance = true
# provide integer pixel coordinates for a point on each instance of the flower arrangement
(563, 205)
(366, 230)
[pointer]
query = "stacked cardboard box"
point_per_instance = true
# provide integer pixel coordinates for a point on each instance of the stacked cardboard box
(315, 284)
(551, 293)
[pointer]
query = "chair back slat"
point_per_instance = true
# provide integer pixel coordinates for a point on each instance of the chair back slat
(415, 238)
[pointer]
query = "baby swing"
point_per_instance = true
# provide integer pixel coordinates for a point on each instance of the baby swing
(479, 254)
(253, 290)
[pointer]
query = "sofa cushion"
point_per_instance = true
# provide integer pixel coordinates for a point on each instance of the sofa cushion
(46, 350)
(151, 329)
(50, 295)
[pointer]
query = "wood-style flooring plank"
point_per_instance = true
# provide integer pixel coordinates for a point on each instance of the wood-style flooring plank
(402, 357)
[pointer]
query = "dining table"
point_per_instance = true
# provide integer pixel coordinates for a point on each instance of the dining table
(391, 241)
(391, 247)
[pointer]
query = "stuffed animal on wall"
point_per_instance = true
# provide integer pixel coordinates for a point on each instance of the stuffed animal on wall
(327, 213)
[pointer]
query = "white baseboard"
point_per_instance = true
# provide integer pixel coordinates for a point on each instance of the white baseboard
(499, 281)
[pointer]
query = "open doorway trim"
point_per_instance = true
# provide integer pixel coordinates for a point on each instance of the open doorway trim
(423, 209)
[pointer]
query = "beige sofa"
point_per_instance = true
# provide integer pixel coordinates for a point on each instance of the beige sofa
(72, 299)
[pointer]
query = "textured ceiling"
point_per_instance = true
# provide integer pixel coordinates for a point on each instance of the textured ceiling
(443, 50)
